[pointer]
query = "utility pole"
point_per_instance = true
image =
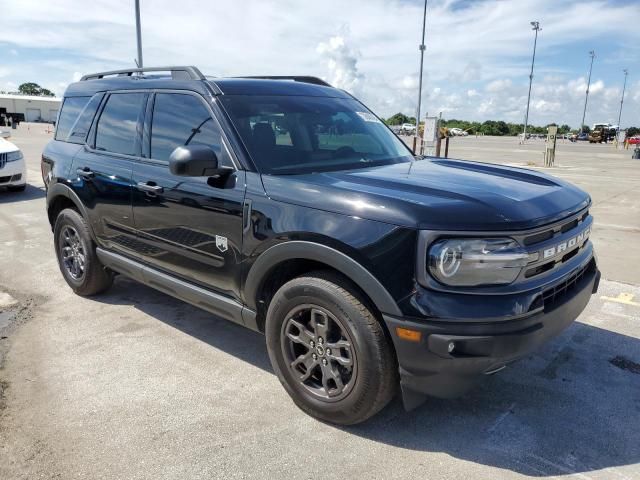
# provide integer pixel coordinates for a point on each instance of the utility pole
(422, 48)
(536, 26)
(138, 35)
(624, 87)
(592, 54)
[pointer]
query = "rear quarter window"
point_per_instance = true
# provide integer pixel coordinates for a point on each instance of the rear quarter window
(80, 129)
(69, 113)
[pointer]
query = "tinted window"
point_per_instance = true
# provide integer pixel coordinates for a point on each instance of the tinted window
(297, 134)
(183, 120)
(83, 123)
(117, 127)
(71, 108)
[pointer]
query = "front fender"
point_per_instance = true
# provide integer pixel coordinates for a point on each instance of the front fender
(292, 250)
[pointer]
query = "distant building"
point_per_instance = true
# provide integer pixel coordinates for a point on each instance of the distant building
(27, 108)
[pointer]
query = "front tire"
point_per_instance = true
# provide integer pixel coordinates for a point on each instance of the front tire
(77, 257)
(329, 351)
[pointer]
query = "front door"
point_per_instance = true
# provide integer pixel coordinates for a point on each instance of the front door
(189, 227)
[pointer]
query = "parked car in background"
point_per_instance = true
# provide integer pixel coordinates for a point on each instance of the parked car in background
(458, 132)
(635, 140)
(583, 137)
(408, 129)
(13, 171)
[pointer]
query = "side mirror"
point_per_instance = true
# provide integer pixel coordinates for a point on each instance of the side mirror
(195, 161)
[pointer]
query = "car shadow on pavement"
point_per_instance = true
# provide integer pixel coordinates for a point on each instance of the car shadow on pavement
(222, 334)
(29, 193)
(572, 407)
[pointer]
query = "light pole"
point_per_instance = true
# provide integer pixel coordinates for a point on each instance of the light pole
(422, 48)
(536, 26)
(592, 54)
(138, 35)
(624, 87)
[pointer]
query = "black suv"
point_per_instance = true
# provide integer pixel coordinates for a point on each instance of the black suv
(286, 206)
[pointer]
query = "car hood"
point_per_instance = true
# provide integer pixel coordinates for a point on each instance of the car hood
(6, 146)
(439, 194)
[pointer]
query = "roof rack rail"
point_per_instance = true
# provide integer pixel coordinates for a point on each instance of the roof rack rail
(302, 79)
(177, 73)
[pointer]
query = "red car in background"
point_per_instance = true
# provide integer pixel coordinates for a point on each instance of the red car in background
(635, 140)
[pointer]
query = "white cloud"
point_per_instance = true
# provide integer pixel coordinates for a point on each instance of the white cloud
(498, 85)
(478, 56)
(342, 63)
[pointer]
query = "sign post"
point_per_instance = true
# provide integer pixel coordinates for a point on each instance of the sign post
(550, 152)
(429, 135)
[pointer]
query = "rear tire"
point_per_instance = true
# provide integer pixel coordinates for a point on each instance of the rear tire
(329, 351)
(76, 253)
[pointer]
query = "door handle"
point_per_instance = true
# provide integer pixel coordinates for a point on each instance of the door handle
(85, 172)
(150, 187)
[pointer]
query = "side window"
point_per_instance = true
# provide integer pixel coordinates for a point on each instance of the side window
(180, 119)
(83, 123)
(71, 108)
(117, 127)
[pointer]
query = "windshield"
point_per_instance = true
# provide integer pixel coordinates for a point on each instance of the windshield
(295, 134)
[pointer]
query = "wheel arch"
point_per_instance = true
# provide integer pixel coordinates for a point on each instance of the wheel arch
(59, 197)
(312, 256)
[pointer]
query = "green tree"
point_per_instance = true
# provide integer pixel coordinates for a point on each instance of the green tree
(31, 88)
(399, 119)
(631, 131)
(586, 129)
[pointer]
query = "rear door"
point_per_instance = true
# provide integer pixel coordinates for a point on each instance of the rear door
(102, 170)
(189, 227)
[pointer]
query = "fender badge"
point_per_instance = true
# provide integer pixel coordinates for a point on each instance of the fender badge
(221, 243)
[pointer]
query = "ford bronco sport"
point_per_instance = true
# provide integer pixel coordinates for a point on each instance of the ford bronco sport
(286, 206)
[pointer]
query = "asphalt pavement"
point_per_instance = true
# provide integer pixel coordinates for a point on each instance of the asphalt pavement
(135, 384)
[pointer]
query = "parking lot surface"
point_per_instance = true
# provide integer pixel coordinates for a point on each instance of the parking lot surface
(134, 384)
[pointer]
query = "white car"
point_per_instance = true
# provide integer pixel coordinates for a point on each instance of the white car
(13, 170)
(458, 132)
(408, 128)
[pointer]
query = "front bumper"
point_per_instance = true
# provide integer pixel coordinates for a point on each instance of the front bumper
(13, 174)
(431, 367)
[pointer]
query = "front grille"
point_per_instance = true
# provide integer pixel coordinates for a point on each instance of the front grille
(562, 241)
(561, 227)
(555, 293)
(3, 159)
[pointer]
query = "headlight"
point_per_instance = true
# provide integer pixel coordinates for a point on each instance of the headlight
(472, 262)
(14, 156)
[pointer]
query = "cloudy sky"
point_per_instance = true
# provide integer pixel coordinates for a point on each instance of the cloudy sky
(476, 64)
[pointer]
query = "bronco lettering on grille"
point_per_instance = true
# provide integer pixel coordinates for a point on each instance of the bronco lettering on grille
(567, 244)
